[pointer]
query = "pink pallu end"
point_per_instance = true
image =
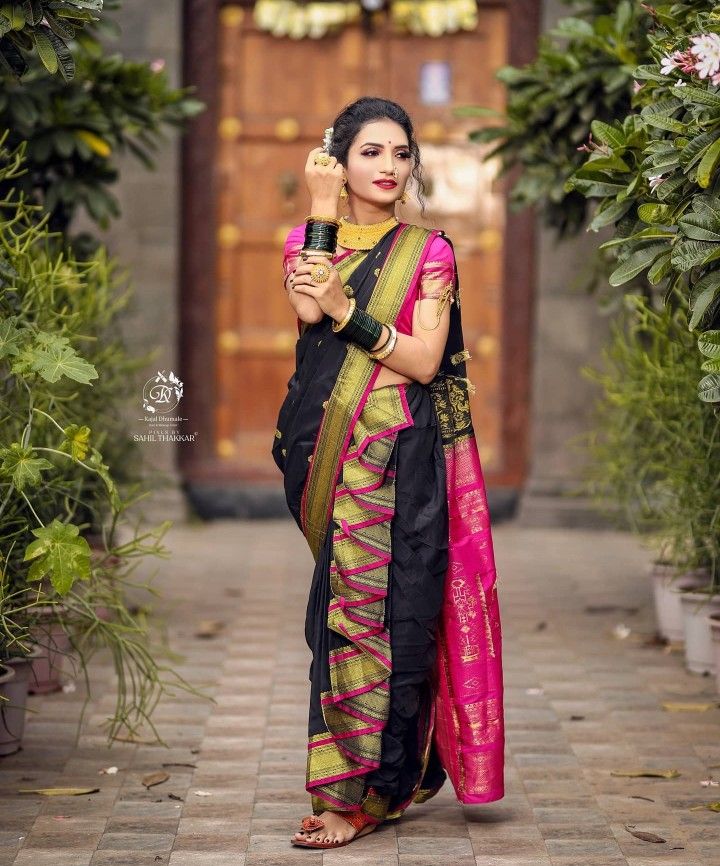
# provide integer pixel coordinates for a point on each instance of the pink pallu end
(469, 730)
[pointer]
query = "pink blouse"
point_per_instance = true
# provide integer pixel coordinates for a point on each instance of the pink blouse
(436, 275)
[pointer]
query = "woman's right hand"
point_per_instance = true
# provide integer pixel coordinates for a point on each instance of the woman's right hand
(324, 181)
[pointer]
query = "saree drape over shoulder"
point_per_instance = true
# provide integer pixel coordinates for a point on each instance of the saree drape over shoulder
(403, 618)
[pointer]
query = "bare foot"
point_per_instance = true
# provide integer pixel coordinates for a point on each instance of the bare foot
(336, 829)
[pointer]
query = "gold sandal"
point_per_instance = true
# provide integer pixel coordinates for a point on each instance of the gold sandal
(362, 822)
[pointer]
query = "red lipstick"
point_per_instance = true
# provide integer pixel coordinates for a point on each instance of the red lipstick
(385, 184)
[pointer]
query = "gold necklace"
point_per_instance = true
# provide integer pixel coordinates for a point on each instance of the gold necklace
(356, 236)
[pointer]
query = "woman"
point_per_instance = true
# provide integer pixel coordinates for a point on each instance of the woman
(382, 475)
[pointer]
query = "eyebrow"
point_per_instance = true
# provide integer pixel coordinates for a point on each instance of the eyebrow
(398, 146)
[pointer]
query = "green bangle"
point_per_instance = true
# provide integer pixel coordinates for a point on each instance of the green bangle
(363, 329)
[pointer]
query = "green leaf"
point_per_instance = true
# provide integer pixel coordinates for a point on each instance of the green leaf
(64, 56)
(593, 188)
(607, 134)
(700, 227)
(702, 294)
(60, 552)
(689, 93)
(659, 115)
(77, 441)
(712, 365)
(708, 164)
(45, 51)
(654, 213)
(611, 214)
(660, 268)
(636, 263)
(696, 147)
(709, 388)
(690, 254)
(10, 337)
(21, 465)
(709, 344)
(53, 358)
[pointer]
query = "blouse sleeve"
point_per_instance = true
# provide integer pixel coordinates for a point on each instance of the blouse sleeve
(437, 274)
(293, 245)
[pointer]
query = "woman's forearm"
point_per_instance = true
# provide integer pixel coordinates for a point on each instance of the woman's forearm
(411, 357)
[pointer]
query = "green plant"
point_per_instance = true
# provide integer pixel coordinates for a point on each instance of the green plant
(584, 70)
(76, 132)
(43, 27)
(655, 448)
(60, 372)
(655, 173)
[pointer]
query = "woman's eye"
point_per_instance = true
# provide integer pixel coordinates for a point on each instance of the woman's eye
(404, 155)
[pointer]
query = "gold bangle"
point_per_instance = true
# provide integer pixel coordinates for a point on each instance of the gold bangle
(385, 350)
(324, 219)
(338, 326)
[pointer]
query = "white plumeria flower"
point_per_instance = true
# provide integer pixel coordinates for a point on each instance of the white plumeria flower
(706, 45)
(667, 65)
(707, 65)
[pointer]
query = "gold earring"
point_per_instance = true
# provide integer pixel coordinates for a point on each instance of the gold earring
(403, 198)
(343, 192)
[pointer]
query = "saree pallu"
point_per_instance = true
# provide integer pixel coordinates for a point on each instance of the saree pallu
(337, 443)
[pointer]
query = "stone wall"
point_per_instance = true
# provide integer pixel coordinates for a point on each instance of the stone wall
(145, 239)
(569, 333)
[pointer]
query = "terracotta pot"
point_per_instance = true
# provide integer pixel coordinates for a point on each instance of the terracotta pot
(7, 676)
(667, 587)
(54, 643)
(714, 623)
(12, 715)
(696, 607)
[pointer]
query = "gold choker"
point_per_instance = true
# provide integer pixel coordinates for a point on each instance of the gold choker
(356, 236)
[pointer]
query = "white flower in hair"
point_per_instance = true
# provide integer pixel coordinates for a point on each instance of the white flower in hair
(327, 140)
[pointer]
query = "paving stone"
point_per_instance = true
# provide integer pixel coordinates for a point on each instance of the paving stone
(562, 806)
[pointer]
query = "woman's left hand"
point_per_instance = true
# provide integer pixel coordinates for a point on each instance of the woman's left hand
(330, 296)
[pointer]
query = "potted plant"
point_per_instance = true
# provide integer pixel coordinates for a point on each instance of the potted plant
(59, 334)
(714, 622)
(655, 449)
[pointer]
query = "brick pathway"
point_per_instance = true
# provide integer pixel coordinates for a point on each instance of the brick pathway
(562, 806)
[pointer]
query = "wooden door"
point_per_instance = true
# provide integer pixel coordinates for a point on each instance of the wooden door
(276, 96)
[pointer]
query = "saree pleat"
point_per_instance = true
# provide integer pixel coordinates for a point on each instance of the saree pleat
(373, 609)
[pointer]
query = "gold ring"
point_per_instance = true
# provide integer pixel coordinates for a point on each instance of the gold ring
(322, 159)
(320, 273)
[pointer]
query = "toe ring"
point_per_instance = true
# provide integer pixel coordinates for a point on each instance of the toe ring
(312, 822)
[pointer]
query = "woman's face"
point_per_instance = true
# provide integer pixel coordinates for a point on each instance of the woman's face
(378, 148)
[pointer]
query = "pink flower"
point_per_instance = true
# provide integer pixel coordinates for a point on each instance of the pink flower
(636, 86)
(157, 65)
